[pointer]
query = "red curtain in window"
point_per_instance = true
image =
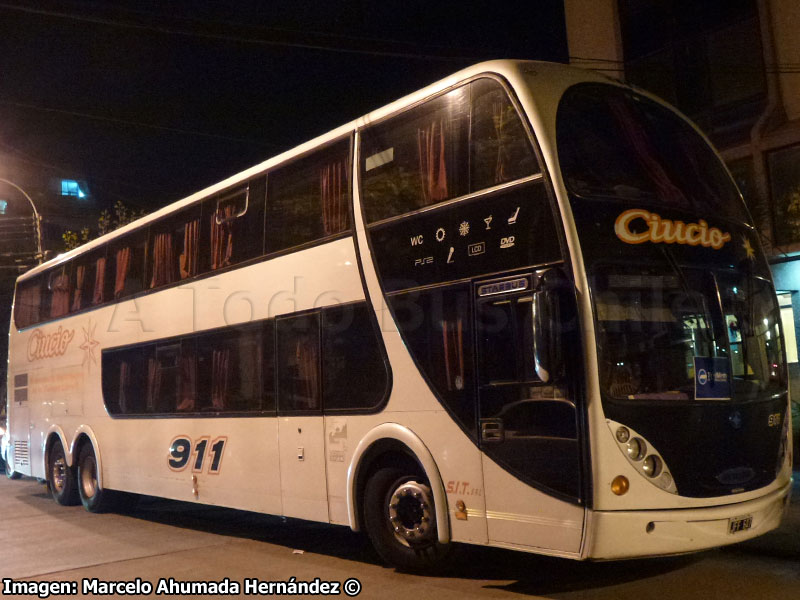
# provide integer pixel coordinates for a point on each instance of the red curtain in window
(162, 260)
(77, 296)
(191, 242)
(432, 165)
(59, 301)
(123, 266)
(333, 191)
(98, 296)
(308, 373)
(222, 236)
(453, 342)
(188, 383)
(124, 381)
(220, 374)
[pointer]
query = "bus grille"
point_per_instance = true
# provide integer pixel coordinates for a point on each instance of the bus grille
(21, 453)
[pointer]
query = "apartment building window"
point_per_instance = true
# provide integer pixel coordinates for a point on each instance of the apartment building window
(704, 57)
(784, 175)
(70, 187)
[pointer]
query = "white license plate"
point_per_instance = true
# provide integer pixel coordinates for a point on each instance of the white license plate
(737, 524)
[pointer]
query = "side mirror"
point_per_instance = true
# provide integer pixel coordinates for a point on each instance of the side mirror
(548, 330)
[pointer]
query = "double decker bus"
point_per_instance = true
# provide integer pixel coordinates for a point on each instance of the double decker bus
(523, 307)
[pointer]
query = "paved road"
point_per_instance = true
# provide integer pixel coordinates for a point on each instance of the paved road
(41, 541)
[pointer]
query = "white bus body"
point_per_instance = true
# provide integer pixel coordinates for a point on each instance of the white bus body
(319, 466)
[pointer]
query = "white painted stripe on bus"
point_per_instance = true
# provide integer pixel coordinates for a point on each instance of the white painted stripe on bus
(501, 516)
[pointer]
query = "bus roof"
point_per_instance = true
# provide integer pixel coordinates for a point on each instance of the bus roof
(551, 72)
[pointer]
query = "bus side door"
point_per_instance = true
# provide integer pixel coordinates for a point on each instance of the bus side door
(301, 430)
(528, 427)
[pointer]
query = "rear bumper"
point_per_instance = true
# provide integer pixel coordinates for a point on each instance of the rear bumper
(630, 534)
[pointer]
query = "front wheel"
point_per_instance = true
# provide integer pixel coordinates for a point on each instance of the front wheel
(61, 477)
(400, 518)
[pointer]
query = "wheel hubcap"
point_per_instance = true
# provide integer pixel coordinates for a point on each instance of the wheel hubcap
(410, 513)
(59, 473)
(89, 478)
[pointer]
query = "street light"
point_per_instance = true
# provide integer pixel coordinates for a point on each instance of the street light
(36, 217)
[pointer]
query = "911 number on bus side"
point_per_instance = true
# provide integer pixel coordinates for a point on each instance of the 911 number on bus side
(183, 452)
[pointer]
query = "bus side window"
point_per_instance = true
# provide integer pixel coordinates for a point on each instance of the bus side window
(229, 371)
(124, 379)
(437, 325)
(308, 199)
(227, 374)
(101, 276)
(416, 159)
(88, 280)
(500, 150)
(420, 157)
(174, 248)
(164, 378)
(233, 226)
(125, 267)
(354, 373)
(28, 303)
(58, 283)
(299, 364)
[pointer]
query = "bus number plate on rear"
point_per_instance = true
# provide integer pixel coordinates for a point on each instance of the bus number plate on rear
(737, 524)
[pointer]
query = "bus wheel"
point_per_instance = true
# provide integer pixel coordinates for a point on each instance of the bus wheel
(93, 498)
(400, 519)
(10, 472)
(61, 477)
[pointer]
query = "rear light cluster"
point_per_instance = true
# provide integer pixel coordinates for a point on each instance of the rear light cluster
(643, 456)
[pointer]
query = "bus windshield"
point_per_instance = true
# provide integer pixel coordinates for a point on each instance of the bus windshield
(614, 143)
(652, 323)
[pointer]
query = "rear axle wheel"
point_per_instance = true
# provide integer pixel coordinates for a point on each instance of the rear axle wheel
(61, 477)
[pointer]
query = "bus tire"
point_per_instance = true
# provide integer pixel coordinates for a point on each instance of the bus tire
(61, 477)
(93, 497)
(400, 519)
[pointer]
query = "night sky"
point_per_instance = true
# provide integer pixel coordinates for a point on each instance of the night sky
(151, 101)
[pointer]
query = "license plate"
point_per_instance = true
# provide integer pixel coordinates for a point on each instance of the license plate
(737, 524)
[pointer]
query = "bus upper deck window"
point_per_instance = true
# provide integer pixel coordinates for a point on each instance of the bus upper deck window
(233, 226)
(500, 150)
